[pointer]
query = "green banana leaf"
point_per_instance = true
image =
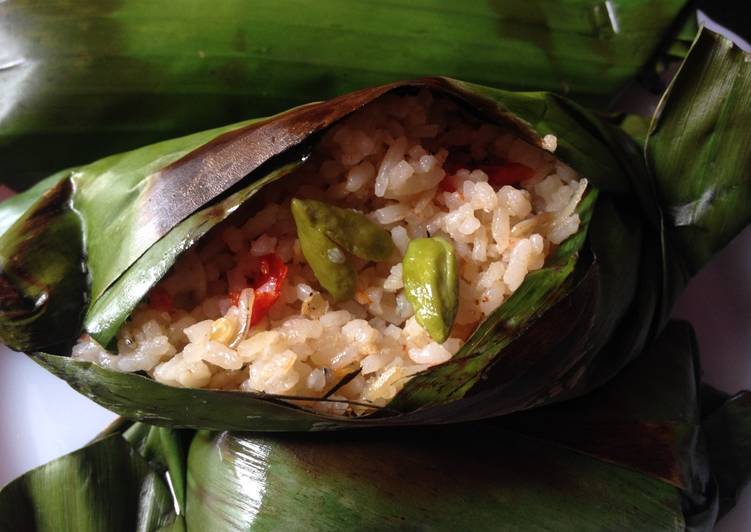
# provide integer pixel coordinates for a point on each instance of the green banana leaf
(84, 481)
(709, 204)
(631, 456)
(729, 448)
(87, 79)
(570, 327)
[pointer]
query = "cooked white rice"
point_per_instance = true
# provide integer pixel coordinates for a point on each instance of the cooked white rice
(389, 161)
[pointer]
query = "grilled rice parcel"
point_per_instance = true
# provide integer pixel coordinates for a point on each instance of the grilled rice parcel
(407, 254)
(374, 260)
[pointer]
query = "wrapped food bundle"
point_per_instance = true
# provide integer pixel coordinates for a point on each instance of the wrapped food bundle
(420, 252)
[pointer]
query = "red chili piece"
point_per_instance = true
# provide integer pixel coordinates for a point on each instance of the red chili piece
(503, 173)
(267, 286)
(160, 299)
(507, 173)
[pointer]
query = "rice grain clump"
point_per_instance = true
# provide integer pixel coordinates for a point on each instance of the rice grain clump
(243, 309)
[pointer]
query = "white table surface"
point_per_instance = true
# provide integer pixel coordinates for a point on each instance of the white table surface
(43, 418)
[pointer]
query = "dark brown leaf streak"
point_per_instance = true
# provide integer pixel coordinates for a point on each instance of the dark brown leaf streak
(651, 447)
(652, 431)
(43, 288)
(12, 208)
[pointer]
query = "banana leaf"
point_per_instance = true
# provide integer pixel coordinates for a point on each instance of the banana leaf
(570, 327)
(635, 455)
(88, 79)
(85, 481)
(711, 121)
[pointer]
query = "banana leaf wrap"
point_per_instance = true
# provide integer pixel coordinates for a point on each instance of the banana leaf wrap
(648, 451)
(570, 327)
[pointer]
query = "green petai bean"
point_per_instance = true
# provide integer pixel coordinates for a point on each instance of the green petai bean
(431, 284)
